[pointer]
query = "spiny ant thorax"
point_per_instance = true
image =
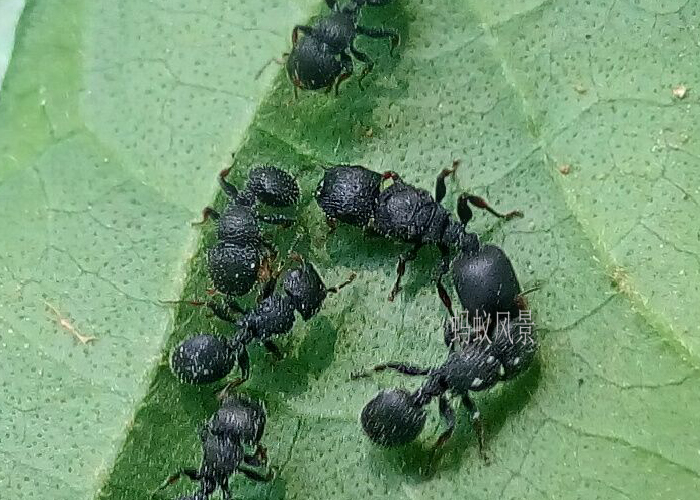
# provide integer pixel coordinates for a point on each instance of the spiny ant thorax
(457, 237)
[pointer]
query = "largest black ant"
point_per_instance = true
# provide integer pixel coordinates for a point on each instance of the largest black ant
(495, 352)
(322, 57)
(353, 194)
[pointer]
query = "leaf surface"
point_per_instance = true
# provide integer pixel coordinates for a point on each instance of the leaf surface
(517, 90)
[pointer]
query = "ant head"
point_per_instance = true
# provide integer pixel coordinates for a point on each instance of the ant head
(305, 289)
(392, 418)
(202, 359)
(349, 193)
(273, 187)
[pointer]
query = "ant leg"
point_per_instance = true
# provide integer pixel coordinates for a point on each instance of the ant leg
(475, 415)
(193, 474)
(440, 188)
(443, 269)
(207, 213)
(226, 186)
(332, 4)
(346, 62)
(225, 492)
(339, 287)
(332, 224)
(258, 459)
(221, 312)
(521, 299)
(401, 269)
(273, 349)
(369, 64)
(381, 33)
(277, 219)
(244, 363)
(256, 476)
(269, 286)
(448, 414)
(465, 212)
(295, 32)
(403, 368)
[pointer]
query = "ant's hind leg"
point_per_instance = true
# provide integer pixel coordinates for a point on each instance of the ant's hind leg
(475, 416)
(256, 476)
(346, 62)
(448, 414)
(340, 286)
(244, 364)
(226, 186)
(442, 270)
(369, 64)
(207, 213)
(193, 474)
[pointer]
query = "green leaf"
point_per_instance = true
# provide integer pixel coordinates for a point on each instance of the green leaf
(141, 106)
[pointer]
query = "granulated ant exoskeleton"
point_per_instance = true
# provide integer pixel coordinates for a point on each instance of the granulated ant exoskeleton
(355, 195)
(223, 437)
(236, 260)
(206, 358)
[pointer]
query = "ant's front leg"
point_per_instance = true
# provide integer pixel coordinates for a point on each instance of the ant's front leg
(403, 368)
(401, 269)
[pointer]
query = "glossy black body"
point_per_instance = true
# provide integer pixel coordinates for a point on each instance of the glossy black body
(392, 418)
(323, 56)
(486, 284)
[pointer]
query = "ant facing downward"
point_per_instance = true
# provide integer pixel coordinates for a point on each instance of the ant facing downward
(322, 57)
(238, 423)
